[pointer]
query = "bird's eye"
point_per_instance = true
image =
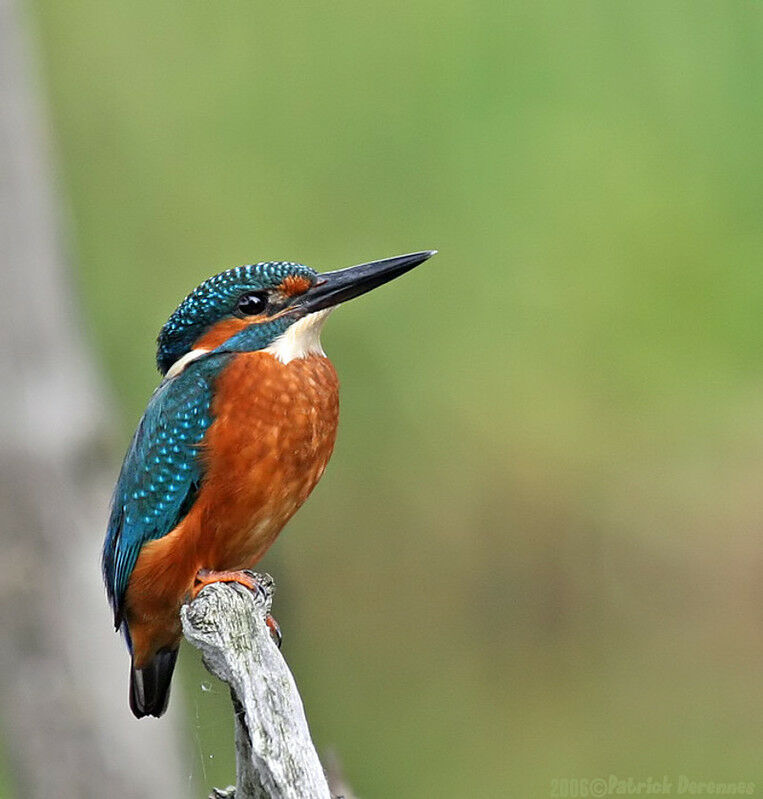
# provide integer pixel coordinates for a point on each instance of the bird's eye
(251, 303)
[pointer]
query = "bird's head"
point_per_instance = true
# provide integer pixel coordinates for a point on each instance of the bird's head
(276, 305)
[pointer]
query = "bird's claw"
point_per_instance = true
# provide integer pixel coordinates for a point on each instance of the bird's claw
(243, 577)
(275, 630)
(262, 584)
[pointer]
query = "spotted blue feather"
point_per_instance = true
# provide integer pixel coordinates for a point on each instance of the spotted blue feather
(161, 472)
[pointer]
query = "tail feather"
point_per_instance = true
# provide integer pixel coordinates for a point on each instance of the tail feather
(150, 686)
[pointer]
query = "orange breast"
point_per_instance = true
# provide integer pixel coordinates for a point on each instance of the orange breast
(274, 431)
(272, 436)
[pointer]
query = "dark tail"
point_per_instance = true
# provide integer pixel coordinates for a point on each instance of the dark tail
(150, 686)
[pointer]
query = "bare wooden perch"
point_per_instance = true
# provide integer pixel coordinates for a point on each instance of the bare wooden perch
(275, 756)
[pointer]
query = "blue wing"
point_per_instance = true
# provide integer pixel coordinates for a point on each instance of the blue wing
(161, 472)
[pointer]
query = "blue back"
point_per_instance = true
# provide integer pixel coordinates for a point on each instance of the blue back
(161, 473)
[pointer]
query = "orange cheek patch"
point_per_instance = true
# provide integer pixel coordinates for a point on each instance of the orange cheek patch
(293, 284)
(222, 331)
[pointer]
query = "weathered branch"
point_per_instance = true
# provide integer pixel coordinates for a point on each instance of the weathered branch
(275, 756)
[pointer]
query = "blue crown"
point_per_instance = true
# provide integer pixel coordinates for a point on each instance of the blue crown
(213, 300)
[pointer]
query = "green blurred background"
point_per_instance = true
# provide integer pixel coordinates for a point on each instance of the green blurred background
(536, 552)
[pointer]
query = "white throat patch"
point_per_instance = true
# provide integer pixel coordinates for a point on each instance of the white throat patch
(301, 339)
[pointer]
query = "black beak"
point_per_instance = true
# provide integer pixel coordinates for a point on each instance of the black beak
(332, 288)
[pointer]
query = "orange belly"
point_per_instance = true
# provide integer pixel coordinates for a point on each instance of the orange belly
(272, 436)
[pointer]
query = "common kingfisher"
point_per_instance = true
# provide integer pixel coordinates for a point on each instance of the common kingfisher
(233, 440)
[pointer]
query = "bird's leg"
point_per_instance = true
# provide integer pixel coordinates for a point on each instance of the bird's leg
(244, 577)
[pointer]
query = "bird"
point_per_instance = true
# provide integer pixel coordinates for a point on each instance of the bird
(232, 441)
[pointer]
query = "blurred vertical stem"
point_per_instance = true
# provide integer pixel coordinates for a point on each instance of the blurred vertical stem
(63, 688)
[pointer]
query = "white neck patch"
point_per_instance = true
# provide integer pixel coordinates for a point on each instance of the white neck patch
(301, 339)
(181, 363)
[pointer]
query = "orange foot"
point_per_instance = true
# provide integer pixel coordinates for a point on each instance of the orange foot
(246, 578)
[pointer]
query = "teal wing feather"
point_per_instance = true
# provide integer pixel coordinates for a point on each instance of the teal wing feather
(161, 473)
